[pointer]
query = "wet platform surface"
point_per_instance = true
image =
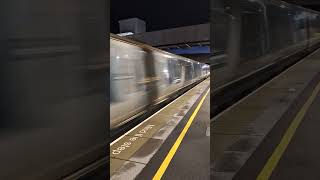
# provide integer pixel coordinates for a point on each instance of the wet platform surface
(142, 149)
(244, 136)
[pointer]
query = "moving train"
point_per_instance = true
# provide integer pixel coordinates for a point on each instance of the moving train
(255, 33)
(53, 90)
(141, 75)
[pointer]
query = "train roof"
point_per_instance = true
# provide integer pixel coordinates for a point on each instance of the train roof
(143, 45)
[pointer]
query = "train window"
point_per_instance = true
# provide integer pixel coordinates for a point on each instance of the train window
(125, 59)
(162, 70)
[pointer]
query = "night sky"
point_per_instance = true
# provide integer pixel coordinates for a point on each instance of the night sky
(160, 14)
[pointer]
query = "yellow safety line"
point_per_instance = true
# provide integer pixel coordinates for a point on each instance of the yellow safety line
(282, 146)
(176, 145)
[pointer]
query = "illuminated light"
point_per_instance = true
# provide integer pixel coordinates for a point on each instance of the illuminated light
(167, 56)
(166, 73)
(205, 66)
(118, 57)
(125, 34)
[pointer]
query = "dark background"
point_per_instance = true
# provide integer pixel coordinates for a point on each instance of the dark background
(160, 14)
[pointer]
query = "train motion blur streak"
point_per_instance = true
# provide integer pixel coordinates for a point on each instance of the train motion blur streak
(53, 88)
(142, 76)
(254, 33)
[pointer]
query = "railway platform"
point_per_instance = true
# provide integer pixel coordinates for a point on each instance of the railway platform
(273, 132)
(174, 140)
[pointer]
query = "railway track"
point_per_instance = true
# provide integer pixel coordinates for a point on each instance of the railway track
(230, 93)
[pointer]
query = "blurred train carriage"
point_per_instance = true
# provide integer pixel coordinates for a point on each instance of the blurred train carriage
(255, 33)
(141, 76)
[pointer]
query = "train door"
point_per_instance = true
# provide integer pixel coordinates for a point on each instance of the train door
(188, 72)
(183, 73)
(174, 66)
(163, 73)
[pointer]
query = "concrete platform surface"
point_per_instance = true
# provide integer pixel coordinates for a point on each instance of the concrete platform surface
(301, 159)
(239, 132)
(131, 154)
